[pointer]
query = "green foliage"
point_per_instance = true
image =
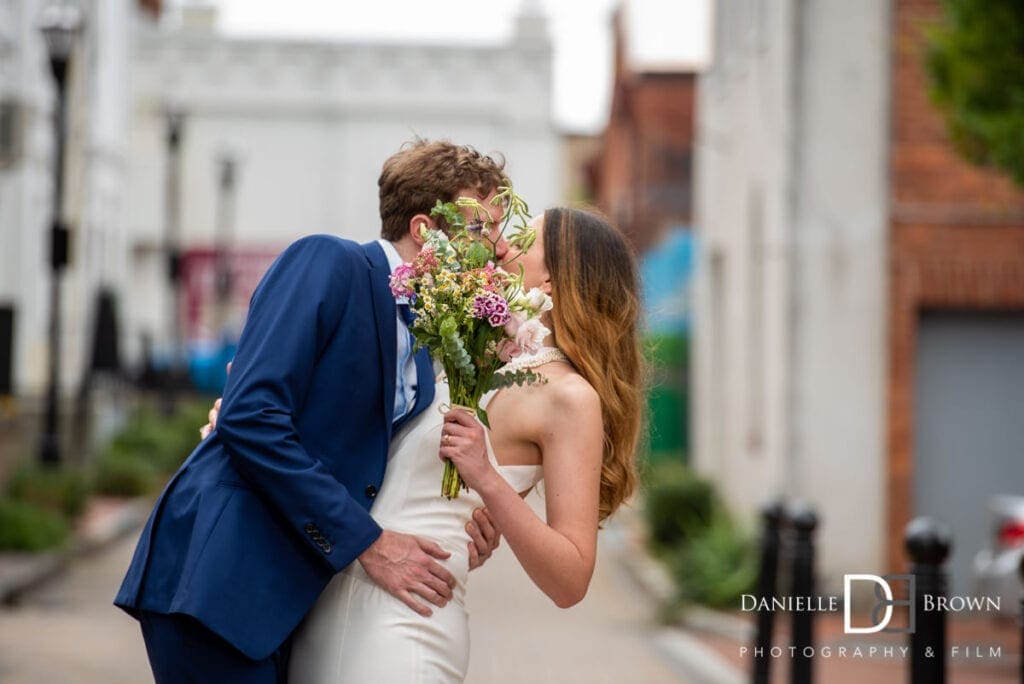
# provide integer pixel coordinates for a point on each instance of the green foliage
(476, 255)
(24, 527)
(716, 566)
(455, 354)
(679, 505)
(61, 490)
(126, 474)
(514, 223)
(976, 62)
(163, 441)
(523, 376)
(150, 446)
(450, 213)
(710, 559)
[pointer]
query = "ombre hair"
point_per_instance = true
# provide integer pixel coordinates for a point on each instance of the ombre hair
(595, 288)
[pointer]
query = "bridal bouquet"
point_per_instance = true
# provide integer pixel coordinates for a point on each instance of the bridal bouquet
(473, 316)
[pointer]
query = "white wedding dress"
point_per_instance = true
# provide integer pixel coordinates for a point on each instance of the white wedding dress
(357, 632)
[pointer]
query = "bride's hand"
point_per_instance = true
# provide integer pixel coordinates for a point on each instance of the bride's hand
(463, 441)
(205, 431)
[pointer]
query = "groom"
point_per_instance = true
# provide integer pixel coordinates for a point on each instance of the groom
(275, 502)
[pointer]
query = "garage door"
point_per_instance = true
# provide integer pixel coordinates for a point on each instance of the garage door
(968, 425)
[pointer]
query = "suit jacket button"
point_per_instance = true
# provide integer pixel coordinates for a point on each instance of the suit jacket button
(326, 548)
(310, 528)
(371, 491)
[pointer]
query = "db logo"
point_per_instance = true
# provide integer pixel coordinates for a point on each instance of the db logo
(883, 592)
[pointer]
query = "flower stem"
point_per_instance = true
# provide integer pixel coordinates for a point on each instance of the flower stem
(452, 482)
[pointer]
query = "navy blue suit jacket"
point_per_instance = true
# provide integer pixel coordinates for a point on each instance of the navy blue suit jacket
(268, 508)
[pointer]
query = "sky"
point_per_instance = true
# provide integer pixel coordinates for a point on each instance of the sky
(665, 31)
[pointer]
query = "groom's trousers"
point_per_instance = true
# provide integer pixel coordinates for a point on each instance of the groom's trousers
(182, 651)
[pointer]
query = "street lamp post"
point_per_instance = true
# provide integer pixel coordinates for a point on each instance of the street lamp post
(174, 377)
(175, 130)
(225, 229)
(60, 24)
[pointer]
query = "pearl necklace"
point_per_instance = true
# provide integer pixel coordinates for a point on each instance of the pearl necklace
(542, 356)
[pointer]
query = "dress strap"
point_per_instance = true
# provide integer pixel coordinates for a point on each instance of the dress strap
(486, 399)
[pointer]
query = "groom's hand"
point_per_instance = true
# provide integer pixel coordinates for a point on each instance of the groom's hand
(485, 536)
(404, 566)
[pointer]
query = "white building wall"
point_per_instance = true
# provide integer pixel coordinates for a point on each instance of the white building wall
(311, 124)
(94, 189)
(25, 190)
(97, 173)
(791, 211)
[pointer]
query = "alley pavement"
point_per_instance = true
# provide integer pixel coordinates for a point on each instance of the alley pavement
(68, 631)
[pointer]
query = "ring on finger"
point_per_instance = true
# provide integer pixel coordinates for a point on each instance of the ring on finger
(447, 439)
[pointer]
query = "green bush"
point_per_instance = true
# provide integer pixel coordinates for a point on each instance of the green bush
(716, 566)
(163, 441)
(61, 490)
(124, 473)
(679, 505)
(150, 438)
(24, 527)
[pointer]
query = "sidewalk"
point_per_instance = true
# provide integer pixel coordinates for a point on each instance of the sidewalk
(519, 635)
(104, 521)
(66, 630)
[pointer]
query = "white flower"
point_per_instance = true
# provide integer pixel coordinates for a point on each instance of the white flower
(539, 301)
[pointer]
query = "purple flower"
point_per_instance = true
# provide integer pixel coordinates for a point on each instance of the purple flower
(493, 307)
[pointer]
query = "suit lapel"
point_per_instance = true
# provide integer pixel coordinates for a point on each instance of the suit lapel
(384, 313)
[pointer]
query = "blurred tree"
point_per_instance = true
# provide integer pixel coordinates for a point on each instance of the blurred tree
(976, 62)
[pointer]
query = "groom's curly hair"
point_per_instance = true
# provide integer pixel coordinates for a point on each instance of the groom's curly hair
(425, 171)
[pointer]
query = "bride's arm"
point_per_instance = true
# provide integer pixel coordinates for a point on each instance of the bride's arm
(558, 555)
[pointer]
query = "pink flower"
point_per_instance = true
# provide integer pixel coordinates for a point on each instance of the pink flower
(425, 261)
(508, 350)
(513, 324)
(400, 286)
(530, 335)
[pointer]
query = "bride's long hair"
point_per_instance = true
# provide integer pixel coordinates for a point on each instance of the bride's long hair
(595, 321)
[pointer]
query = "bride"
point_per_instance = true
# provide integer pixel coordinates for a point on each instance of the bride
(578, 431)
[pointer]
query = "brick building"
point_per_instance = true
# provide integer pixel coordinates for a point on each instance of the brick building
(643, 173)
(956, 278)
(859, 337)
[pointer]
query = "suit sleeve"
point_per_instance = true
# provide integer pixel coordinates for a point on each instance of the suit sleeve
(293, 314)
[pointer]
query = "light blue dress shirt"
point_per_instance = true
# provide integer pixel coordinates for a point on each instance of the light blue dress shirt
(405, 377)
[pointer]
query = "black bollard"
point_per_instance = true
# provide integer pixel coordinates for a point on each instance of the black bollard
(1021, 569)
(771, 515)
(928, 543)
(803, 520)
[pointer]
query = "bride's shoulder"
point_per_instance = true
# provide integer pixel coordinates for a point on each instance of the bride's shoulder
(571, 391)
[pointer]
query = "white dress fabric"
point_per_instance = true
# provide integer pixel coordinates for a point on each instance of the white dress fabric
(356, 631)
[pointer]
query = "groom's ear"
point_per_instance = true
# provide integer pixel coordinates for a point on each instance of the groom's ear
(416, 225)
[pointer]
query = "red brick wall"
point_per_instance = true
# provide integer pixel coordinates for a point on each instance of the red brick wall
(643, 173)
(956, 243)
(152, 6)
